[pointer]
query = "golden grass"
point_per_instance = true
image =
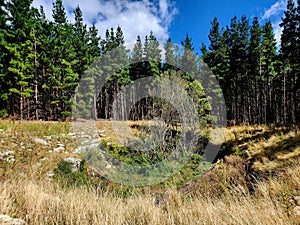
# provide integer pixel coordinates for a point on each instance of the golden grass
(45, 203)
(220, 196)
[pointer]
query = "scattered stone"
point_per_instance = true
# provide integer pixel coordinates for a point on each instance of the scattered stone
(7, 156)
(43, 159)
(78, 150)
(58, 149)
(40, 141)
(10, 159)
(22, 174)
(297, 211)
(102, 135)
(7, 220)
(50, 173)
(1, 130)
(93, 145)
(75, 163)
(48, 137)
(60, 145)
(107, 166)
(297, 200)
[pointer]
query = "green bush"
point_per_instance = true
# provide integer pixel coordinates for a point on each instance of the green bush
(67, 178)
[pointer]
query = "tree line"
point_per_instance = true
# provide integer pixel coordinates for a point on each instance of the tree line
(260, 83)
(42, 63)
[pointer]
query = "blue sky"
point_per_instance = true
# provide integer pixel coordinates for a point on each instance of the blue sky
(194, 17)
(174, 18)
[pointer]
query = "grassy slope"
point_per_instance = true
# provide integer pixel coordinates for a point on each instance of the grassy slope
(258, 183)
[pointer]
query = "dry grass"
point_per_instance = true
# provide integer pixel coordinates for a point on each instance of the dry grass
(228, 194)
(45, 203)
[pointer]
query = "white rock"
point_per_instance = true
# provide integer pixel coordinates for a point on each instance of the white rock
(108, 166)
(10, 159)
(78, 150)
(75, 163)
(22, 174)
(7, 220)
(50, 173)
(9, 152)
(58, 149)
(7, 156)
(297, 211)
(60, 145)
(40, 141)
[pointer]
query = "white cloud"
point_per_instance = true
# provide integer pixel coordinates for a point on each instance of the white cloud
(275, 10)
(277, 31)
(134, 17)
(274, 14)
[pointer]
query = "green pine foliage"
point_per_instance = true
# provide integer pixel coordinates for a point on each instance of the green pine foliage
(58, 70)
(260, 84)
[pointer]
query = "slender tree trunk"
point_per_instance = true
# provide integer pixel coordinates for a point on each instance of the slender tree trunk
(35, 81)
(284, 98)
(21, 104)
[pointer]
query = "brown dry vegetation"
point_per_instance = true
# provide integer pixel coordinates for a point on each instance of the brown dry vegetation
(258, 183)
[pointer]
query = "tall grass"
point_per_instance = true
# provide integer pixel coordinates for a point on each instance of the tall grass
(46, 203)
(228, 194)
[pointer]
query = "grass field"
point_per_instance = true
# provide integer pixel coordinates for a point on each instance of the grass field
(255, 181)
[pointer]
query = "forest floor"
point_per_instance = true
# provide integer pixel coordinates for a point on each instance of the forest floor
(256, 180)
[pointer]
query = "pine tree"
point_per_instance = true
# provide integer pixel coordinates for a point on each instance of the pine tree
(43, 47)
(136, 67)
(217, 58)
(20, 71)
(268, 61)
(254, 68)
(80, 44)
(152, 55)
(4, 87)
(170, 63)
(59, 13)
(115, 67)
(64, 79)
(290, 57)
(188, 61)
(238, 43)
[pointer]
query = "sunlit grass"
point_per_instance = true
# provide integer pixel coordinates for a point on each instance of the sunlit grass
(236, 191)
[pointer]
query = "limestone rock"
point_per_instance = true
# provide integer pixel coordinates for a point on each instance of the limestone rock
(40, 141)
(297, 211)
(7, 220)
(75, 163)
